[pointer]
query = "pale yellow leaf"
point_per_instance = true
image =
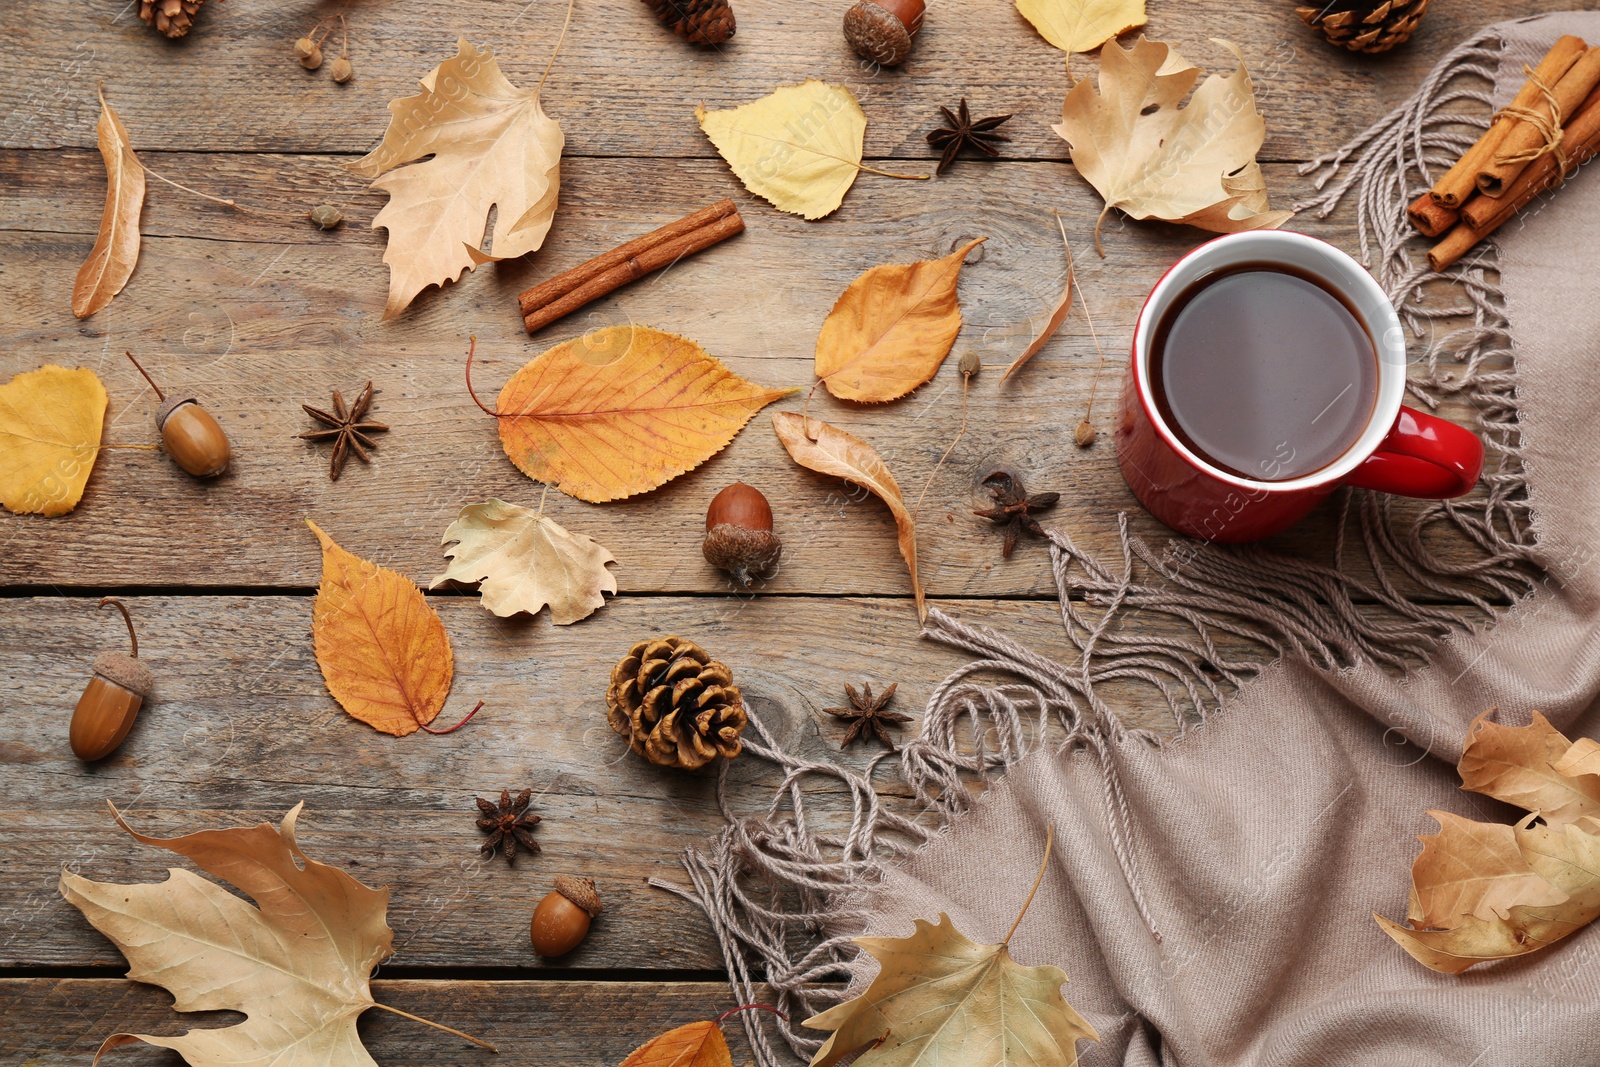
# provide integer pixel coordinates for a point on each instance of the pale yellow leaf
(1473, 868)
(622, 410)
(525, 560)
(116, 247)
(1152, 158)
(940, 999)
(1082, 25)
(891, 329)
(296, 964)
(827, 450)
(799, 148)
(492, 145)
(1517, 764)
(50, 425)
(1058, 315)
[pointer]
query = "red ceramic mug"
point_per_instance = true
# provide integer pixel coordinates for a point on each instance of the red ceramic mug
(1399, 450)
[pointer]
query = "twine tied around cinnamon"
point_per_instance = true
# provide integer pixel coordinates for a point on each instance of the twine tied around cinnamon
(1547, 123)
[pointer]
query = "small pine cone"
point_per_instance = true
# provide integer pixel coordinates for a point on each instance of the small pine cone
(171, 17)
(1365, 25)
(676, 705)
(697, 21)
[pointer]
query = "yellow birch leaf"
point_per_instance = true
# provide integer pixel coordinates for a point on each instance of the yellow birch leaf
(524, 560)
(621, 411)
(891, 329)
(383, 651)
(491, 145)
(827, 450)
(1151, 158)
(1518, 764)
(695, 1045)
(799, 148)
(941, 998)
(50, 425)
(1082, 25)
(116, 247)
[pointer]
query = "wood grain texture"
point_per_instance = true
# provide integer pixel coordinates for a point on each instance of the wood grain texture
(59, 1022)
(257, 313)
(623, 86)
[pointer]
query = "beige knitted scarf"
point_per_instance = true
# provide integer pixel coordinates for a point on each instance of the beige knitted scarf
(1211, 895)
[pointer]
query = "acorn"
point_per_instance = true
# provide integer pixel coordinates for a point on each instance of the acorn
(561, 921)
(341, 70)
(739, 537)
(111, 700)
(191, 436)
(881, 30)
(308, 53)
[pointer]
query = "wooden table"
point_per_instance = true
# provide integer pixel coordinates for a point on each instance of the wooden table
(256, 313)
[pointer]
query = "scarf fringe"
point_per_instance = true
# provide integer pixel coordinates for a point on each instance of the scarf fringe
(781, 892)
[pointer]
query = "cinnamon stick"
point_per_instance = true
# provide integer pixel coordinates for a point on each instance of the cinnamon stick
(1430, 217)
(570, 290)
(1484, 215)
(1525, 139)
(1460, 181)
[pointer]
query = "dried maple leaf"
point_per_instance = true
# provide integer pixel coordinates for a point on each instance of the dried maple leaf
(50, 425)
(297, 964)
(695, 1045)
(621, 411)
(491, 145)
(1082, 25)
(116, 248)
(383, 651)
(799, 148)
(524, 561)
(827, 450)
(1151, 158)
(1488, 891)
(891, 329)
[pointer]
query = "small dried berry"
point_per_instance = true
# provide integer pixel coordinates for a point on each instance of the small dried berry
(1085, 434)
(341, 70)
(326, 216)
(970, 364)
(307, 52)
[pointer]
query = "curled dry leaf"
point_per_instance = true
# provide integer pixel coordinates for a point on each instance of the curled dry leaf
(891, 329)
(491, 145)
(116, 247)
(524, 561)
(939, 997)
(1082, 25)
(621, 411)
(695, 1045)
(1058, 314)
(799, 148)
(50, 425)
(297, 963)
(827, 450)
(1488, 891)
(383, 651)
(1151, 158)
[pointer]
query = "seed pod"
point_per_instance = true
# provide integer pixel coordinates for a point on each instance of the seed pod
(341, 70)
(326, 216)
(881, 30)
(191, 436)
(111, 700)
(1085, 434)
(561, 921)
(739, 537)
(970, 364)
(307, 52)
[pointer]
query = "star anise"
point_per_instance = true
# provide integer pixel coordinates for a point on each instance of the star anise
(962, 130)
(347, 429)
(1014, 509)
(508, 823)
(868, 714)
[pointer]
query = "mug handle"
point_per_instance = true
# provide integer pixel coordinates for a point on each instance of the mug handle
(1423, 456)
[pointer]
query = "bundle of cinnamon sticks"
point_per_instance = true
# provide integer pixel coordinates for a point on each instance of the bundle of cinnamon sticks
(1550, 129)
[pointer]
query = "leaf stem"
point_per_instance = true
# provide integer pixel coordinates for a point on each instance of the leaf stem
(1049, 839)
(472, 350)
(1094, 386)
(437, 1026)
(751, 1007)
(556, 50)
(217, 199)
(891, 174)
(450, 730)
(916, 510)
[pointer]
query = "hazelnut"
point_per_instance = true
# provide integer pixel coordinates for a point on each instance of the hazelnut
(739, 537)
(881, 30)
(561, 921)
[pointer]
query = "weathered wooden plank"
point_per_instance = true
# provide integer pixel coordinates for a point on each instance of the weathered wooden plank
(61, 1021)
(257, 314)
(624, 87)
(240, 728)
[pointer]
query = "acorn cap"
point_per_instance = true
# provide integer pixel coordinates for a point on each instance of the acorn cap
(580, 891)
(168, 406)
(119, 668)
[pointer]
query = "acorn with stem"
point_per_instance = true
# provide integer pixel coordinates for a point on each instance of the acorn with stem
(190, 435)
(112, 699)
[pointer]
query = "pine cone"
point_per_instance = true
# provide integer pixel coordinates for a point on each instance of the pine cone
(171, 17)
(676, 705)
(1365, 25)
(699, 21)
